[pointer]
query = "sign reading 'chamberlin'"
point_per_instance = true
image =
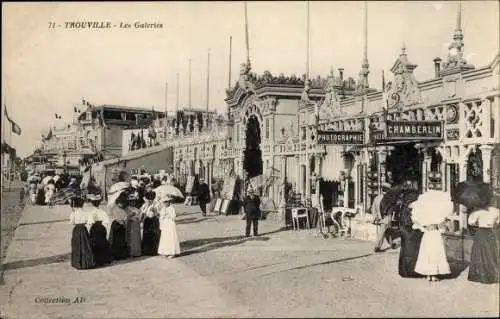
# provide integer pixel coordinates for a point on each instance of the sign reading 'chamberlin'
(341, 137)
(414, 129)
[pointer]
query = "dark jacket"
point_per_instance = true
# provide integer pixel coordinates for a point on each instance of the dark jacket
(204, 193)
(252, 207)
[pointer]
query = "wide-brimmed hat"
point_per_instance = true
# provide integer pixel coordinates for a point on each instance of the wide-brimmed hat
(165, 198)
(94, 197)
(385, 186)
(118, 187)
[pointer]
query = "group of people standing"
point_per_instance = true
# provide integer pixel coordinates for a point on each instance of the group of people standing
(122, 230)
(422, 252)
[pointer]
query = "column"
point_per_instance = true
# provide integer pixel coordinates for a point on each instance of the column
(426, 167)
(356, 179)
(463, 164)
(308, 177)
(297, 173)
(496, 108)
(486, 153)
(382, 156)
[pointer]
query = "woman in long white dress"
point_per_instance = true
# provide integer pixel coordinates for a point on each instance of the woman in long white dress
(169, 242)
(429, 212)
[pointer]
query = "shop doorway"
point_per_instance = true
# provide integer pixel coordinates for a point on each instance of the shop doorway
(252, 161)
(405, 165)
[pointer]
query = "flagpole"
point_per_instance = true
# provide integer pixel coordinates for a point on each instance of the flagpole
(166, 110)
(10, 155)
(208, 81)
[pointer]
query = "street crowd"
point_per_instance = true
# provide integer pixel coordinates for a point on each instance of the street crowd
(139, 219)
(422, 219)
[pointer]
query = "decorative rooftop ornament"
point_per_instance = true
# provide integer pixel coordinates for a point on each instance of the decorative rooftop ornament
(404, 91)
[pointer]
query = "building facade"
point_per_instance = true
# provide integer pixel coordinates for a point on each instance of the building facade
(432, 132)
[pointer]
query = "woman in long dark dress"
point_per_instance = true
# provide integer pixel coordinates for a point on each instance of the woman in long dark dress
(410, 239)
(118, 230)
(151, 227)
(485, 255)
(98, 233)
(82, 256)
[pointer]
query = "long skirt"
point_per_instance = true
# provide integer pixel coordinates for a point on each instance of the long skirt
(150, 236)
(169, 242)
(431, 259)
(100, 244)
(410, 246)
(118, 241)
(134, 237)
(81, 251)
(484, 265)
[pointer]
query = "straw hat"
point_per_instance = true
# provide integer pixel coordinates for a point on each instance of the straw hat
(118, 187)
(94, 197)
(166, 198)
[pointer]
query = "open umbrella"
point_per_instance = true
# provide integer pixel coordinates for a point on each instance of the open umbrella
(168, 189)
(393, 197)
(473, 195)
(64, 195)
(432, 207)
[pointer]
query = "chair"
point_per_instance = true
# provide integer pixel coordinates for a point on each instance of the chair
(297, 214)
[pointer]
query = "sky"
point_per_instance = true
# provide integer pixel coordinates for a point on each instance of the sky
(49, 70)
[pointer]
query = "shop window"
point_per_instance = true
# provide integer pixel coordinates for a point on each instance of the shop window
(475, 166)
(435, 175)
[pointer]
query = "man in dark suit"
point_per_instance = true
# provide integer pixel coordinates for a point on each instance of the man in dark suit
(203, 196)
(252, 211)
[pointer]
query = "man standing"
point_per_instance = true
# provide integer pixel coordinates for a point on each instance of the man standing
(203, 196)
(252, 212)
(384, 223)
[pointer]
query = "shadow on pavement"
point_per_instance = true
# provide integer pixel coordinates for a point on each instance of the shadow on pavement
(322, 263)
(189, 247)
(193, 220)
(456, 267)
(37, 261)
(45, 222)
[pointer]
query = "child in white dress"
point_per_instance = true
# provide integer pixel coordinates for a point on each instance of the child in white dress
(169, 243)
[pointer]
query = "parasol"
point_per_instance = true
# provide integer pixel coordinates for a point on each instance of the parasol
(168, 190)
(393, 197)
(46, 180)
(115, 191)
(432, 207)
(64, 195)
(473, 195)
(118, 187)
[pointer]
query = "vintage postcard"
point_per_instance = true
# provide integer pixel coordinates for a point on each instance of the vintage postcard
(300, 159)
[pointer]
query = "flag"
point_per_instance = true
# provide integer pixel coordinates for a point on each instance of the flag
(16, 129)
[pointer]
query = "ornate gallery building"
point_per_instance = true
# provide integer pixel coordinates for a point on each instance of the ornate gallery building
(433, 133)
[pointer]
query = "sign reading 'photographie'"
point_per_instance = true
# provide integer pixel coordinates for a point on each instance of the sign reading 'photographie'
(414, 130)
(341, 137)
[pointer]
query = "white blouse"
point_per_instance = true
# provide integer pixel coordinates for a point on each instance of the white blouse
(97, 214)
(149, 209)
(79, 216)
(168, 213)
(484, 218)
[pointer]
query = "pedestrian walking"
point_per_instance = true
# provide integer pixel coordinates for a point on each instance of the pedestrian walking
(133, 226)
(484, 266)
(82, 256)
(383, 222)
(98, 232)
(151, 225)
(203, 196)
(251, 204)
(118, 231)
(428, 214)
(169, 242)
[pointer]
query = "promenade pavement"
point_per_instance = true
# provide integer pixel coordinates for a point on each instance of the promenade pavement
(282, 273)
